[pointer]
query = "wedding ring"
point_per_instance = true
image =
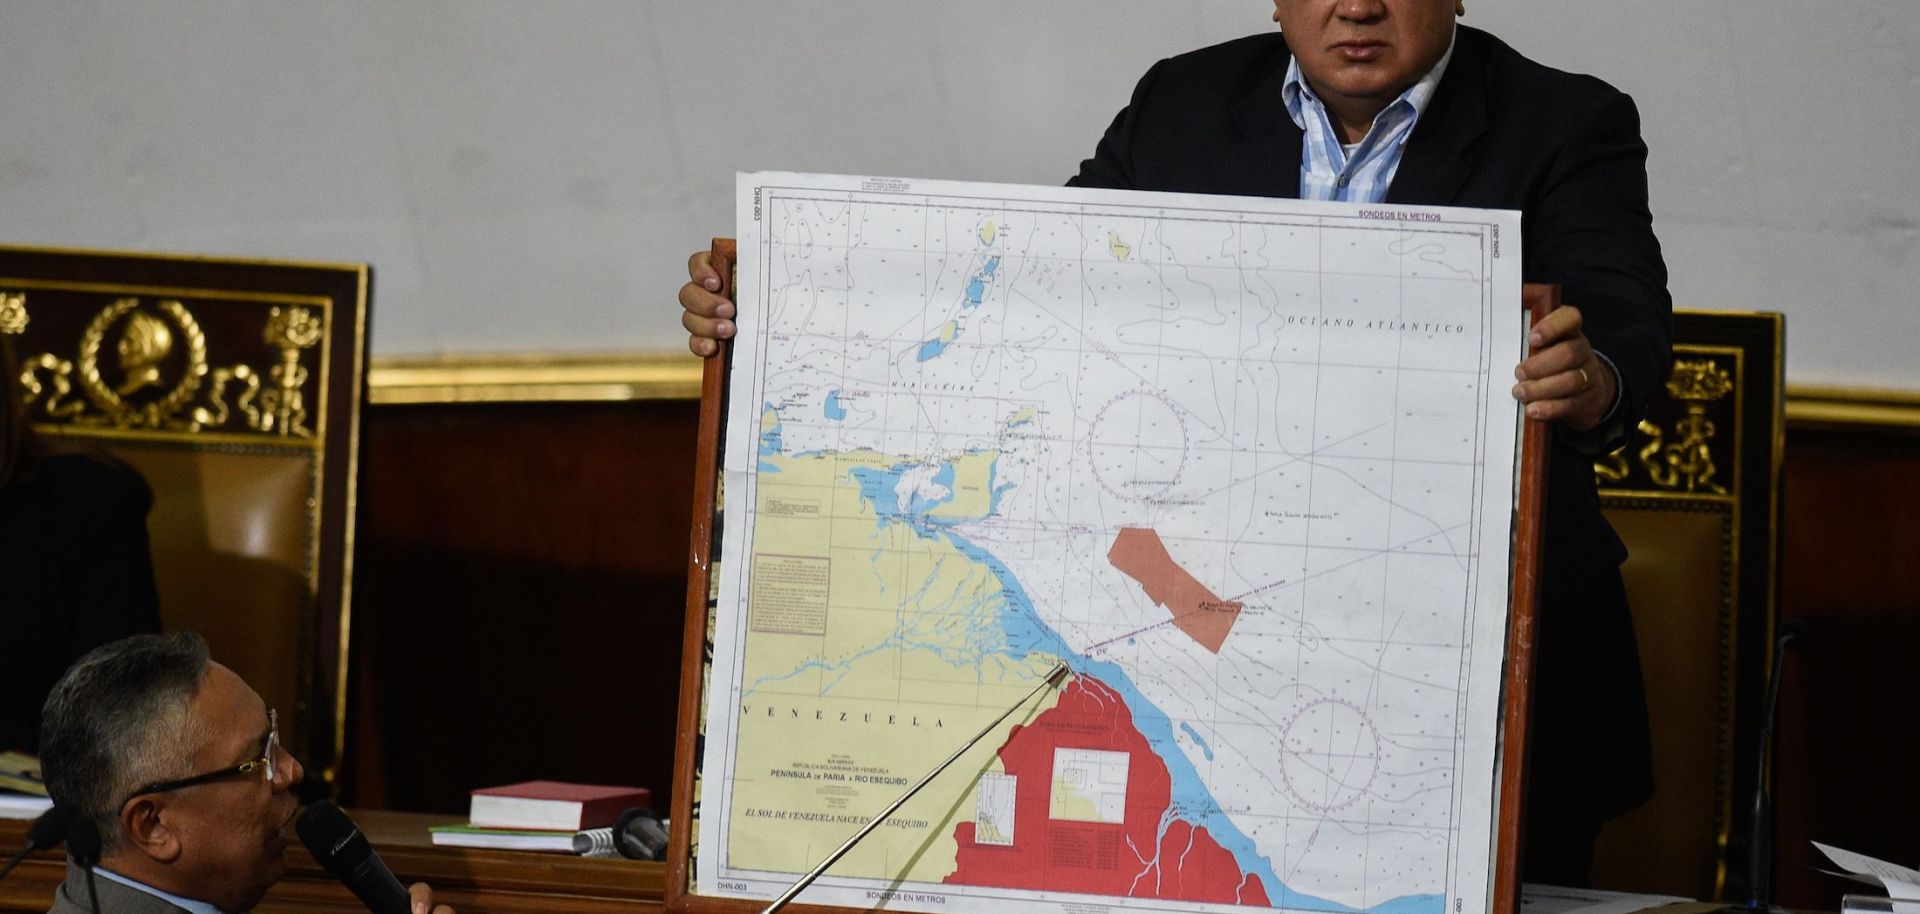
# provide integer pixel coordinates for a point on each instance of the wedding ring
(1585, 382)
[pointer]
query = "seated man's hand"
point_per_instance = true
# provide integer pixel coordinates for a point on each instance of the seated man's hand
(1563, 381)
(423, 900)
(708, 313)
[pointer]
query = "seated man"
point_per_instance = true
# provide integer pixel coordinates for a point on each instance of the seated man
(178, 761)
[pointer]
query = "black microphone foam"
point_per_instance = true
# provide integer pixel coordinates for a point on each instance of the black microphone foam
(45, 832)
(338, 845)
(50, 829)
(83, 841)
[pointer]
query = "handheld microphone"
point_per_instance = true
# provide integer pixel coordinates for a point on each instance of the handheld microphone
(343, 851)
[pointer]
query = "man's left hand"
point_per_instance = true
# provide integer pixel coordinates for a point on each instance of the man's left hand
(423, 900)
(1563, 381)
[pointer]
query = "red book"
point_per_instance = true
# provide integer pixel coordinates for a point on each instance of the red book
(553, 806)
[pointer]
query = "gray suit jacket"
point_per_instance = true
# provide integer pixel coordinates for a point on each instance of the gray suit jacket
(74, 898)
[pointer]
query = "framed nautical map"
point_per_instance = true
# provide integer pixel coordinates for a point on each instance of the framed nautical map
(1247, 467)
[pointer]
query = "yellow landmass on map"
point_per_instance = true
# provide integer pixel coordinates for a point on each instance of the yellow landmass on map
(1121, 250)
(972, 487)
(1022, 417)
(833, 727)
(987, 232)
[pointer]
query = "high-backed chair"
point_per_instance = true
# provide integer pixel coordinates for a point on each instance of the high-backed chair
(1696, 495)
(234, 388)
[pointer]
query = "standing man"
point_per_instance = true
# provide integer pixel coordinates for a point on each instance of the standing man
(178, 762)
(1388, 101)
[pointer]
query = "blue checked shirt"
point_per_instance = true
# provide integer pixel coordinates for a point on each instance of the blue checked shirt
(1327, 170)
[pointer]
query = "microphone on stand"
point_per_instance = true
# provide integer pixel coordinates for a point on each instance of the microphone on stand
(1790, 633)
(83, 850)
(45, 833)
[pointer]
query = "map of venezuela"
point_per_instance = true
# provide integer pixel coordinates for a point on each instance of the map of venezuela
(1238, 464)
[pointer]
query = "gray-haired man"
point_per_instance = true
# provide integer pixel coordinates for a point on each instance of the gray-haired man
(178, 762)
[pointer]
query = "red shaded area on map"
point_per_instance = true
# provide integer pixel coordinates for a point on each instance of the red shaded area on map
(1097, 858)
(1139, 554)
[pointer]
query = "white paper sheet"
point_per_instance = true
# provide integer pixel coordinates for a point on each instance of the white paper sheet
(1899, 881)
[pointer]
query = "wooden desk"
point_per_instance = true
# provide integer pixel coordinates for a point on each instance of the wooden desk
(473, 881)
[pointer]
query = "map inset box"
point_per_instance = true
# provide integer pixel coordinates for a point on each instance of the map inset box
(790, 594)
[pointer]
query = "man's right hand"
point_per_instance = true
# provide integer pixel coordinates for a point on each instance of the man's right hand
(709, 315)
(421, 895)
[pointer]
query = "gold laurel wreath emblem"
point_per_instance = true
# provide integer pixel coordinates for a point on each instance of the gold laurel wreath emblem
(159, 413)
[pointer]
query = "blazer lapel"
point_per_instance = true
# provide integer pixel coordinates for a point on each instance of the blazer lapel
(1265, 160)
(1436, 160)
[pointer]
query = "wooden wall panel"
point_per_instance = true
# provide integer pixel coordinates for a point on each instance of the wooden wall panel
(1847, 751)
(519, 578)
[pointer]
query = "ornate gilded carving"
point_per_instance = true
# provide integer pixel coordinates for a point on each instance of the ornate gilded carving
(13, 312)
(1688, 463)
(145, 366)
(1698, 380)
(215, 413)
(145, 343)
(1684, 459)
(282, 407)
(58, 404)
(1614, 468)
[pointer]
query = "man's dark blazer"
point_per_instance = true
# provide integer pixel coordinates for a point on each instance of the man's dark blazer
(75, 573)
(1500, 132)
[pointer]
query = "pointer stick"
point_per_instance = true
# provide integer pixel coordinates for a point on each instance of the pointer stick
(1053, 678)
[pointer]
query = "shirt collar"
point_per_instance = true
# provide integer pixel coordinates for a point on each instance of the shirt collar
(190, 905)
(1296, 93)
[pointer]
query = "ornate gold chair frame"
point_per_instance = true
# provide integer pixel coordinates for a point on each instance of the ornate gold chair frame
(233, 387)
(1696, 495)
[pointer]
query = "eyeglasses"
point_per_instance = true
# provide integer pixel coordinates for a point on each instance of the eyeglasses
(263, 764)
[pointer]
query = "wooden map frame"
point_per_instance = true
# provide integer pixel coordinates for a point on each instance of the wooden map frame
(1516, 692)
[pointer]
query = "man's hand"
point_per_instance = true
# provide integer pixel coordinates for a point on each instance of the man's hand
(708, 313)
(423, 900)
(1562, 381)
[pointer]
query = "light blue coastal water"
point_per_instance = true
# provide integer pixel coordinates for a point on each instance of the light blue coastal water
(976, 293)
(977, 286)
(931, 349)
(769, 439)
(1194, 735)
(834, 409)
